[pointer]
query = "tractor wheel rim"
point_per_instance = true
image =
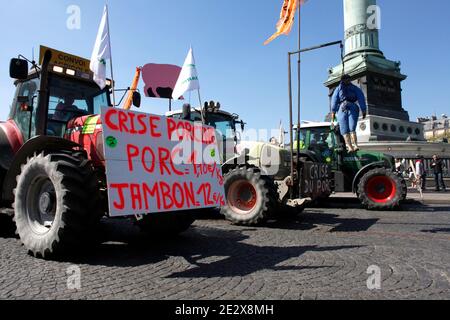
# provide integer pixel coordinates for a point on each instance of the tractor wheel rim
(242, 197)
(381, 189)
(41, 205)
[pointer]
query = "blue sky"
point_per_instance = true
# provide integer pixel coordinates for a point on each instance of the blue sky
(227, 36)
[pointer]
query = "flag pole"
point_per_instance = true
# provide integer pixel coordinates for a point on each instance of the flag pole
(299, 88)
(299, 60)
(201, 107)
(201, 104)
(110, 57)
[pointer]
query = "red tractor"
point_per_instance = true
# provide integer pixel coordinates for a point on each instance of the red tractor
(52, 166)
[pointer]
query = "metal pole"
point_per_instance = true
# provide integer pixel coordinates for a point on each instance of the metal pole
(317, 47)
(291, 119)
(291, 123)
(201, 107)
(298, 62)
(299, 97)
(110, 57)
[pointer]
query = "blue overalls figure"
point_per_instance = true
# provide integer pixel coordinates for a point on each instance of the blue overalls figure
(344, 105)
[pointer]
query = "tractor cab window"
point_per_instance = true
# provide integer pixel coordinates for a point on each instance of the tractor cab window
(322, 142)
(322, 137)
(24, 113)
(195, 117)
(302, 140)
(72, 98)
(224, 125)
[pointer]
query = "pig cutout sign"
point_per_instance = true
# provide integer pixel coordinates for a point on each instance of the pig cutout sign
(160, 80)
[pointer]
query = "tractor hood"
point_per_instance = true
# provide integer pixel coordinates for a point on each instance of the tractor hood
(363, 158)
(272, 160)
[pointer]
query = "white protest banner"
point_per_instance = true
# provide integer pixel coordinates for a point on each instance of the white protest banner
(158, 164)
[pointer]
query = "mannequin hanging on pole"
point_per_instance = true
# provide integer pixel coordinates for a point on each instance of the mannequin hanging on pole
(346, 103)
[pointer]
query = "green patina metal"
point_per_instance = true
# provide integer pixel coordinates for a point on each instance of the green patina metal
(362, 49)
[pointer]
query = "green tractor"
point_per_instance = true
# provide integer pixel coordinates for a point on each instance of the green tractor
(369, 175)
(257, 178)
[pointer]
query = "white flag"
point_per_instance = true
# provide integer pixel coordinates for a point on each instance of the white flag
(188, 79)
(282, 135)
(102, 52)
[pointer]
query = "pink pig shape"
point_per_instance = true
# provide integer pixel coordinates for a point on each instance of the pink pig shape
(160, 80)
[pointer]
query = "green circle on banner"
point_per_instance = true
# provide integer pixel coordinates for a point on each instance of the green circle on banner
(111, 142)
(213, 153)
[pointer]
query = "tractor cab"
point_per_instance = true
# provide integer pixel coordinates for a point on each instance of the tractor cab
(327, 144)
(45, 103)
(225, 124)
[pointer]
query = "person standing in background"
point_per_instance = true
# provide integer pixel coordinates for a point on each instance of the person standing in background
(399, 166)
(438, 169)
(421, 172)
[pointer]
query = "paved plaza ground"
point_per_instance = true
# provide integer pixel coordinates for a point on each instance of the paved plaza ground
(324, 253)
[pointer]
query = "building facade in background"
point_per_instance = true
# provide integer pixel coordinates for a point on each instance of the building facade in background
(436, 128)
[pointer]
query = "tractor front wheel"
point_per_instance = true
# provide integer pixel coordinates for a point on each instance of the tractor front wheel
(56, 203)
(380, 189)
(251, 197)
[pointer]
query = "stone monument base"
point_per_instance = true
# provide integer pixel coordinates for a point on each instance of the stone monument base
(410, 150)
(376, 128)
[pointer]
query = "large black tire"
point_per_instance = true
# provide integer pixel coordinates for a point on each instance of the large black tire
(251, 197)
(380, 189)
(57, 203)
(166, 225)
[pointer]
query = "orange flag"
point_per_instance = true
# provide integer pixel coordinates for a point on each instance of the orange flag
(287, 15)
(129, 101)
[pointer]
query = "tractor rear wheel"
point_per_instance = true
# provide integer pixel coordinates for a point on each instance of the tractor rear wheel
(166, 225)
(251, 197)
(380, 189)
(56, 203)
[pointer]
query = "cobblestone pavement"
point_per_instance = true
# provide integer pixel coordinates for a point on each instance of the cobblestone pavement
(323, 254)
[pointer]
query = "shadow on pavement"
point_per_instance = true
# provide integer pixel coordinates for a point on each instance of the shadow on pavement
(7, 227)
(437, 230)
(426, 208)
(310, 220)
(211, 252)
(338, 203)
(241, 259)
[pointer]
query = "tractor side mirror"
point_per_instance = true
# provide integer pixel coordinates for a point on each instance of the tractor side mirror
(242, 123)
(137, 99)
(18, 69)
(187, 112)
